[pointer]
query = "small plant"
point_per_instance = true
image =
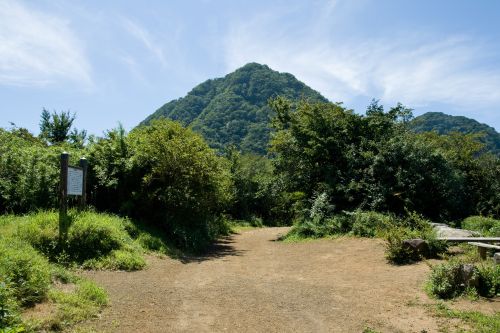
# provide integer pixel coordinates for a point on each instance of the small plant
(398, 251)
(321, 207)
(444, 280)
(395, 251)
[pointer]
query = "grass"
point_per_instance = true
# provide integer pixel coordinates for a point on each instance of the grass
(237, 226)
(27, 279)
(478, 322)
(84, 300)
(97, 241)
(34, 265)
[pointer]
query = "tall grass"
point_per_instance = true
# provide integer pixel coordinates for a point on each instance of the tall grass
(95, 240)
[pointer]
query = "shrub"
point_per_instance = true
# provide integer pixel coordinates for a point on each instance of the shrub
(28, 272)
(397, 253)
(489, 280)
(29, 172)
(446, 280)
(485, 225)
(369, 224)
(182, 185)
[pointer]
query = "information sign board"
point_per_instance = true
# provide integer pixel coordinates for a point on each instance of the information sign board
(75, 181)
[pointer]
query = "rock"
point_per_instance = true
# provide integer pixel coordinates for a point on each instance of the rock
(496, 258)
(443, 230)
(469, 275)
(418, 247)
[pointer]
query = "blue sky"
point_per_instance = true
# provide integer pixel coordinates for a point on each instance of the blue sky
(118, 61)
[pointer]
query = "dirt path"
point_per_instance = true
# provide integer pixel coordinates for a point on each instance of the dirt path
(251, 283)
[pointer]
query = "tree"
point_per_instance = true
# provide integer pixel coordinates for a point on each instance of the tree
(55, 128)
(183, 185)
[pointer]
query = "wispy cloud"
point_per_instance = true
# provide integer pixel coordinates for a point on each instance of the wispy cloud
(142, 34)
(411, 67)
(37, 49)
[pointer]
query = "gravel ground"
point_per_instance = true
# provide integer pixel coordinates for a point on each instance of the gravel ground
(251, 283)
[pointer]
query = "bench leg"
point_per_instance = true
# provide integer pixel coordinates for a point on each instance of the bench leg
(482, 252)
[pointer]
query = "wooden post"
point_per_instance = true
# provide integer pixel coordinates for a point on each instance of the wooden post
(63, 202)
(83, 198)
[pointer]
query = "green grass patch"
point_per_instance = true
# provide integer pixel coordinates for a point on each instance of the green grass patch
(81, 302)
(26, 271)
(237, 226)
(95, 240)
(478, 322)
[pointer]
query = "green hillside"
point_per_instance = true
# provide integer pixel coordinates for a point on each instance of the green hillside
(443, 124)
(233, 109)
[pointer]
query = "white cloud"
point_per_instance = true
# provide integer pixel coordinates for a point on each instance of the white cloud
(37, 49)
(143, 35)
(416, 69)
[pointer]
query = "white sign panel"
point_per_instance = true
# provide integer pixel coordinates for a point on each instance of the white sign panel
(75, 181)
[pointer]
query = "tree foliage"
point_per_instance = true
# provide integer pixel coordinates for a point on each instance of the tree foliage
(56, 128)
(374, 162)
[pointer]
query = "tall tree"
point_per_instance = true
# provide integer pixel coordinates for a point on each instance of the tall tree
(55, 127)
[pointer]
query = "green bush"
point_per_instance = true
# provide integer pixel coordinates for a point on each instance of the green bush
(182, 186)
(28, 272)
(485, 225)
(399, 254)
(369, 224)
(489, 280)
(395, 252)
(446, 281)
(29, 172)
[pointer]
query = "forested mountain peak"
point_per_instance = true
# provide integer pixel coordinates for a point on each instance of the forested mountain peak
(443, 124)
(234, 109)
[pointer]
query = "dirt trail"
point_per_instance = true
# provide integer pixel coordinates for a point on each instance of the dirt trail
(251, 283)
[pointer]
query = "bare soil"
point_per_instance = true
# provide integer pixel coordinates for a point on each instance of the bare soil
(250, 282)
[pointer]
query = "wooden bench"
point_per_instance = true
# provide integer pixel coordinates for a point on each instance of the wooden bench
(471, 239)
(482, 247)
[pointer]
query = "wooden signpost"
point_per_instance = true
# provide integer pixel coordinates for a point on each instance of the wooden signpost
(72, 182)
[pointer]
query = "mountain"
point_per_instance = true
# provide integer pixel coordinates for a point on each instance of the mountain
(233, 109)
(443, 124)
